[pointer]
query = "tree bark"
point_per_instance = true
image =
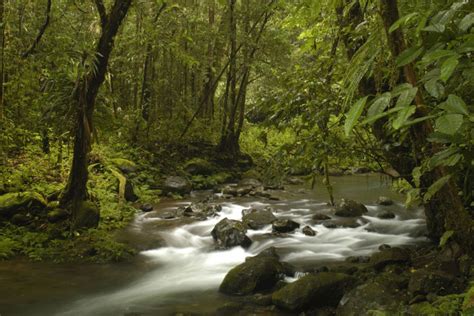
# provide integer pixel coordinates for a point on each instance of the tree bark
(2, 55)
(85, 96)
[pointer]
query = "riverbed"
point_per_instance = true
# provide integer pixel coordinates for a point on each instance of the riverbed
(178, 269)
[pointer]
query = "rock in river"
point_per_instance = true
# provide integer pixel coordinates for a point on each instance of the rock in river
(230, 233)
(257, 273)
(350, 208)
(257, 219)
(284, 226)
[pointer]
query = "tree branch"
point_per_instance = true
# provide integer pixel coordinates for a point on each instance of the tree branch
(99, 4)
(43, 28)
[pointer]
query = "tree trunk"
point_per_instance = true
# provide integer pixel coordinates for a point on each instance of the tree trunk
(2, 54)
(85, 96)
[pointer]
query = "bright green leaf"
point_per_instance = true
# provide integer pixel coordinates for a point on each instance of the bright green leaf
(403, 117)
(466, 22)
(406, 97)
(435, 88)
(435, 187)
(402, 21)
(446, 236)
(408, 56)
(448, 67)
(380, 104)
(354, 114)
(449, 123)
(455, 105)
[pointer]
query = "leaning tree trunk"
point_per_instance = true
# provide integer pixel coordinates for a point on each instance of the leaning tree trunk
(85, 95)
(2, 51)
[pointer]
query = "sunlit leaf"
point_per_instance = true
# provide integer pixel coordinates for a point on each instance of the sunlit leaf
(354, 114)
(449, 123)
(448, 67)
(435, 187)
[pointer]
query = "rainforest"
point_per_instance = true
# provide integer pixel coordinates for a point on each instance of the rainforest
(236, 157)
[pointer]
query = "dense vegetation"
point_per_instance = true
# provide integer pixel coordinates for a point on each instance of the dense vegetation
(101, 101)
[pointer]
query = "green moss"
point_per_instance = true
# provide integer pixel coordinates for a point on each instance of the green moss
(123, 164)
(444, 305)
(11, 202)
(468, 304)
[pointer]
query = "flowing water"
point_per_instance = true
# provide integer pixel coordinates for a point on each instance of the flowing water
(179, 269)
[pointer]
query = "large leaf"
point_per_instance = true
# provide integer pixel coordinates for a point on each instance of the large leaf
(406, 97)
(449, 123)
(448, 67)
(435, 187)
(437, 54)
(403, 116)
(380, 115)
(354, 114)
(455, 105)
(403, 20)
(435, 88)
(408, 56)
(466, 22)
(379, 105)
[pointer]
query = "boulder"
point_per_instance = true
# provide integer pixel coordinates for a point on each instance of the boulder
(433, 281)
(87, 216)
(256, 274)
(20, 219)
(124, 165)
(284, 226)
(175, 184)
(383, 200)
(146, 207)
(257, 218)
(199, 166)
(129, 194)
(12, 203)
(386, 215)
(249, 182)
(371, 296)
(313, 290)
(200, 210)
(320, 217)
(308, 231)
(350, 208)
(389, 256)
(57, 215)
(230, 233)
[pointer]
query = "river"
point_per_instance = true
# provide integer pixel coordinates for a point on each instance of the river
(178, 269)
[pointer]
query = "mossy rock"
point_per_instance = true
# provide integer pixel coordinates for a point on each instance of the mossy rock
(255, 274)
(252, 174)
(257, 219)
(376, 295)
(388, 256)
(199, 166)
(350, 208)
(322, 289)
(57, 215)
(468, 304)
(11, 203)
(443, 305)
(87, 216)
(124, 165)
